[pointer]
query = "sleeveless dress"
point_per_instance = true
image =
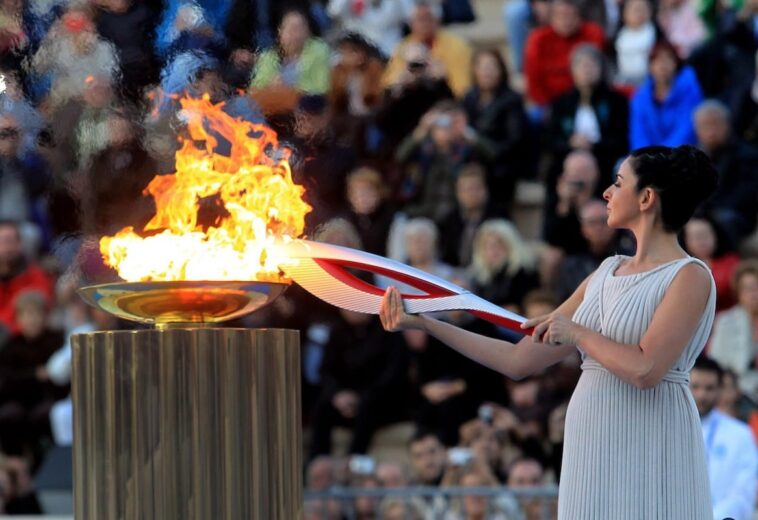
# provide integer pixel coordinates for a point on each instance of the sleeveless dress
(630, 453)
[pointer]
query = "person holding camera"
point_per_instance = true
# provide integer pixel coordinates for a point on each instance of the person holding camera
(413, 91)
(433, 155)
(450, 55)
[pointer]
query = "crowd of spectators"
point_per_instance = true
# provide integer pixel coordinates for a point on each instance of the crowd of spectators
(411, 143)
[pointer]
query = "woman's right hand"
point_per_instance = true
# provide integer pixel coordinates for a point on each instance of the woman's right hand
(392, 313)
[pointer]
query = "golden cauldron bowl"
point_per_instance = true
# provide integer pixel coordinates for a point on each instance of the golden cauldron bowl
(166, 304)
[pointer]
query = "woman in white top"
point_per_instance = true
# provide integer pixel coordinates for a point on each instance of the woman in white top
(633, 442)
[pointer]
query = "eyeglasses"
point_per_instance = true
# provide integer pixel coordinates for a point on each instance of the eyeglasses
(8, 133)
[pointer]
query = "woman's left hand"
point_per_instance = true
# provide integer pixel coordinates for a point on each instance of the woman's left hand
(553, 329)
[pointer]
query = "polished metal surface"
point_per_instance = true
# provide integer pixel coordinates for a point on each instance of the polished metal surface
(187, 424)
(184, 302)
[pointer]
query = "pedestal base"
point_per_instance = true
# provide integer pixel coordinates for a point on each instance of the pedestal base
(187, 424)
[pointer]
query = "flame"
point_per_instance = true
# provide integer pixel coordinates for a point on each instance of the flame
(258, 203)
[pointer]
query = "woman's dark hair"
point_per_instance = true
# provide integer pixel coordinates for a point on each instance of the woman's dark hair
(499, 61)
(683, 177)
(663, 45)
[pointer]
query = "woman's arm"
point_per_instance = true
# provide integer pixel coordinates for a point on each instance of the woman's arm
(515, 361)
(671, 328)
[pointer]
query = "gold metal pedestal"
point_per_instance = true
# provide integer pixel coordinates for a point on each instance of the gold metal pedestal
(187, 424)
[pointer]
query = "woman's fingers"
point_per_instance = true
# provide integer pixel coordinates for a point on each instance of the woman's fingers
(528, 324)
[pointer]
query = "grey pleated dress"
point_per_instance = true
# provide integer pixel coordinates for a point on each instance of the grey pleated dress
(630, 453)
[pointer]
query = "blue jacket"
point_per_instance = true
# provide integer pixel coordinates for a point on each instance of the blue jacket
(668, 123)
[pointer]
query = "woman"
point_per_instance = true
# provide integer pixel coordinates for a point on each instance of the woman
(704, 239)
(497, 113)
(661, 109)
(590, 116)
(735, 334)
(502, 265)
(633, 434)
(299, 60)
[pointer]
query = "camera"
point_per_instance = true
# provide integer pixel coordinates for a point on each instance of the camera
(416, 66)
(362, 465)
(459, 456)
(486, 414)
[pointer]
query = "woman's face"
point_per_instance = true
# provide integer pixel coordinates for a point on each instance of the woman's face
(586, 72)
(700, 238)
(494, 249)
(636, 13)
(747, 292)
(622, 197)
(363, 196)
(663, 67)
(487, 74)
(293, 32)
(420, 248)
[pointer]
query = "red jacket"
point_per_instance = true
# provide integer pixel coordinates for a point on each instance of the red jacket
(31, 277)
(547, 60)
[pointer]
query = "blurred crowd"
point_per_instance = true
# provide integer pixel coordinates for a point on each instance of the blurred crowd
(412, 143)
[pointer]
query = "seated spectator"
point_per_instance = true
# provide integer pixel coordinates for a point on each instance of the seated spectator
(730, 448)
(370, 211)
(113, 195)
(497, 112)
(548, 50)
(70, 53)
(356, 88)
(733, 402)
(472, 506)
(449, 56)
(602, 242)
(320, 475)
(473, 206)
(393, 508)
(633, 43)
(415, 90)
(299, 61)
(479, 436)
(524, 473)
(432, 157)
(26, 394)
(15, 203)
(502, 266)
(129, 26)
(17, 275)
(364, 382)
(704, 239)
(191, 31)
(661, 109)
(590, 117)
(428, 458)
(14, 103)
(380, 22)
(576, 186)
(733, 205)
(392, 475)
(681, 25)
(733, 340)
(320, 163)
(366, 506)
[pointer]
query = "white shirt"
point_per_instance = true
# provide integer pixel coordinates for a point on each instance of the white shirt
(586, 123)
(633, 51)
(732, 465)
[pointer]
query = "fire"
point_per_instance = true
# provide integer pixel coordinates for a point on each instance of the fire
(251, 191)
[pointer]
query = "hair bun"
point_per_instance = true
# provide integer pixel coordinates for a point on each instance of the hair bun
(692, 166)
